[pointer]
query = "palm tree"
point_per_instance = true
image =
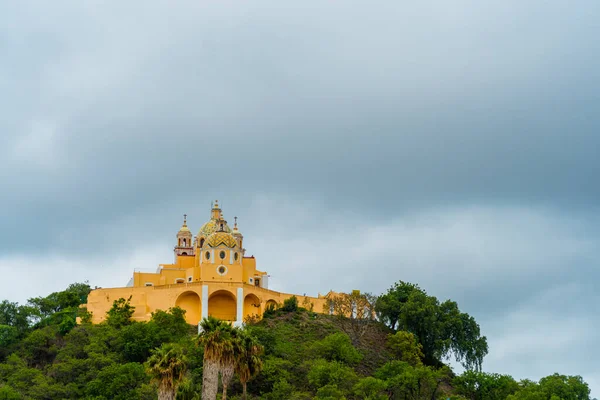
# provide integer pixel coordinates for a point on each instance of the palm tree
(249, 363)
(216, 339)
(167, 366)
(229, 357)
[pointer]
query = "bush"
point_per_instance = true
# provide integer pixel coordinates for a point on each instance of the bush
(290, 305)
(8, 393)
(330, 392)
(270, 311)
(370, 388)
(323, 373)
(337, 347)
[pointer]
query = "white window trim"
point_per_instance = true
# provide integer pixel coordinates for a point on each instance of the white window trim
(219, 267)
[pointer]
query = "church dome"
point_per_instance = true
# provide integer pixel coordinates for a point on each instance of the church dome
(213, 226)
(219, 238)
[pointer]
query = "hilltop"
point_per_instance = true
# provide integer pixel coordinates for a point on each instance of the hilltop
(46, 354)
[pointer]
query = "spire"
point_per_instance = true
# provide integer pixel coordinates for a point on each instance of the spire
(215, 211)
(184, 230)
(236, 231)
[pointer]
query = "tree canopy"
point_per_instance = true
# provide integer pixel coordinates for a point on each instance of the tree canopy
(441, 328)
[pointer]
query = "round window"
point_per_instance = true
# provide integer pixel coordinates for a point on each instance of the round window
(235, 256)
(222, 270)
(222, 255)
(207, 254)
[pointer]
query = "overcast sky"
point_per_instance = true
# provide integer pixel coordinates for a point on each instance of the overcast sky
(449, 144)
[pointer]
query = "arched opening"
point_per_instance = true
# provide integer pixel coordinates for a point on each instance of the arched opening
(190, 302)
(221, 305)
(184, 253)
(271, 303)
(251, 305)
(202, 242)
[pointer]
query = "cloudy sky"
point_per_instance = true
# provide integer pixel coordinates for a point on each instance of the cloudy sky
(449, 144)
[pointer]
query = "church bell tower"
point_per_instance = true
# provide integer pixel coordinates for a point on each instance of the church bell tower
(184, 245)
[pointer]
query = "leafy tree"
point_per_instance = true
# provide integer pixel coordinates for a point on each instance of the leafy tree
(441, 328)
(40, 347)
(565, 387)
(282, 389)
(404, 381)
(12, 314)
(370, 388)
(553, 387)
(330, 392)
(59, 308)
(120, 313)
(120, 382)
(82, 290)
(337, 347)
(274, 370)
(138, 340)
(8, 337)
(171, 324)
(389, 305)
(476, 385)
(8, 393)
(355, 312)
(405, 347)
(323, 372)
(167, 366)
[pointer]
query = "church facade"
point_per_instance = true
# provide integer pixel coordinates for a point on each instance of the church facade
(211, 275)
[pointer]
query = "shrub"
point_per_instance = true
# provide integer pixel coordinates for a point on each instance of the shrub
(290, 305)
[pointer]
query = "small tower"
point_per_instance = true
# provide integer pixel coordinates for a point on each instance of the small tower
(184, 245)
(216, 211)
(238, 236)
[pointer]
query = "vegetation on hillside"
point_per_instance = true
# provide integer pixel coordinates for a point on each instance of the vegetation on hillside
(387, 347)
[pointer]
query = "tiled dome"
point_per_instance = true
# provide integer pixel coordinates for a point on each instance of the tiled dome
(221, 238)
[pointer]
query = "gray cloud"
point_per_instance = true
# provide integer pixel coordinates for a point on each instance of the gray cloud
(449, 145)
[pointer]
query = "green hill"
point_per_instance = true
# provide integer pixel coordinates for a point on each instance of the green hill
(45, 354)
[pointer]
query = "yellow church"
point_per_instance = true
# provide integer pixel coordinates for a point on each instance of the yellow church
(211, 275)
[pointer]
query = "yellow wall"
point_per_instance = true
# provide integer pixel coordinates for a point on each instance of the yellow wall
(222, 300)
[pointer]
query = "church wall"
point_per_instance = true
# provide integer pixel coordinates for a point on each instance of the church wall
(249, 264)
(185, 262)
(232, 273)
(141, 278)
(170, 276)
(149, 299)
